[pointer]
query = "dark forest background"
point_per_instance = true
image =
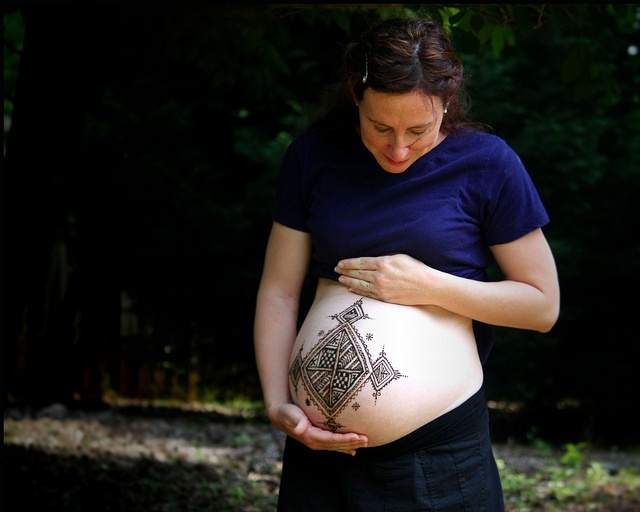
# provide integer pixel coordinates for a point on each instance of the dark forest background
(141, 146)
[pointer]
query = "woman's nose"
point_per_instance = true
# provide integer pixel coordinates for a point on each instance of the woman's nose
(399, 151)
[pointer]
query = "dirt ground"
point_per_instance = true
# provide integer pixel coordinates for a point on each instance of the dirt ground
(141, 458)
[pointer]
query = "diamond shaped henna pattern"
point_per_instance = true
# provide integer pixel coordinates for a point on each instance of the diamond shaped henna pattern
(339, 365)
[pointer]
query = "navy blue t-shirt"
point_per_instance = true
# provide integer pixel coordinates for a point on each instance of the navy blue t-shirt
(466, 194)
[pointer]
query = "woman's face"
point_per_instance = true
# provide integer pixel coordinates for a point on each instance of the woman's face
(400, 128)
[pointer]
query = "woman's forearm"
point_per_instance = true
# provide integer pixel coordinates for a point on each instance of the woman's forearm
(504, 303)
(274, 336)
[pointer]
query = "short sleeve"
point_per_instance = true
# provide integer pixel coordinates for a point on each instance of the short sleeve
(289, 206)
(514, 207)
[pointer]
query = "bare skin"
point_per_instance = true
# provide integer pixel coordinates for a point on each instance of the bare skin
(380, 369)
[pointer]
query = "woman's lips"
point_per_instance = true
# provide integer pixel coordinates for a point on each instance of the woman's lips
(394, 162)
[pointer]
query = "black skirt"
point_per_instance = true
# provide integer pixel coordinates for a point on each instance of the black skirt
(446, 465)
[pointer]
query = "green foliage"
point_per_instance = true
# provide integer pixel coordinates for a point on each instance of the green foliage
(569, 485)
(519, 489)
(582, 152)
(13, 37)
(186, 117)
(590, 28)
(574, 455)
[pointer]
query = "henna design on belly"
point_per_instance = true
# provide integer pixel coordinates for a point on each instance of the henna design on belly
(337, 368)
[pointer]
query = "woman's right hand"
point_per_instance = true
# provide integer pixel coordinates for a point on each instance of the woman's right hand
(292, 420)
(277, 306)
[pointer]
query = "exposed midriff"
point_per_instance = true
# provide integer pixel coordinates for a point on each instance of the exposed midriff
(362, 365)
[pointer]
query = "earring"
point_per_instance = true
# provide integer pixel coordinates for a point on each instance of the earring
(446, 110)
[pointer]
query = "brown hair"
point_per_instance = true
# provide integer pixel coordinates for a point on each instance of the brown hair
(400, 55)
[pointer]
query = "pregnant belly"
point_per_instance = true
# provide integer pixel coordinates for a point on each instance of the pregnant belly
(365, 366)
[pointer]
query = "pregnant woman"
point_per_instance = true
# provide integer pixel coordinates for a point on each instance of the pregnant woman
(396, 204)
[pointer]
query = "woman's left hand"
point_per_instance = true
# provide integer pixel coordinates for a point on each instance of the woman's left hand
(528, 296)
(398, 278)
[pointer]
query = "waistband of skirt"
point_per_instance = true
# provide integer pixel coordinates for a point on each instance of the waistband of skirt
(468, 418)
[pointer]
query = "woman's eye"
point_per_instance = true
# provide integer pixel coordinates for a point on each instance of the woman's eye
(386, 130)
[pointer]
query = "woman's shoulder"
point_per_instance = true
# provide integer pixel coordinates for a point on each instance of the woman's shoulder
(482, 147)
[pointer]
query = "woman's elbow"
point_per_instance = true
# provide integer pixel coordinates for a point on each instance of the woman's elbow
(548, 317)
